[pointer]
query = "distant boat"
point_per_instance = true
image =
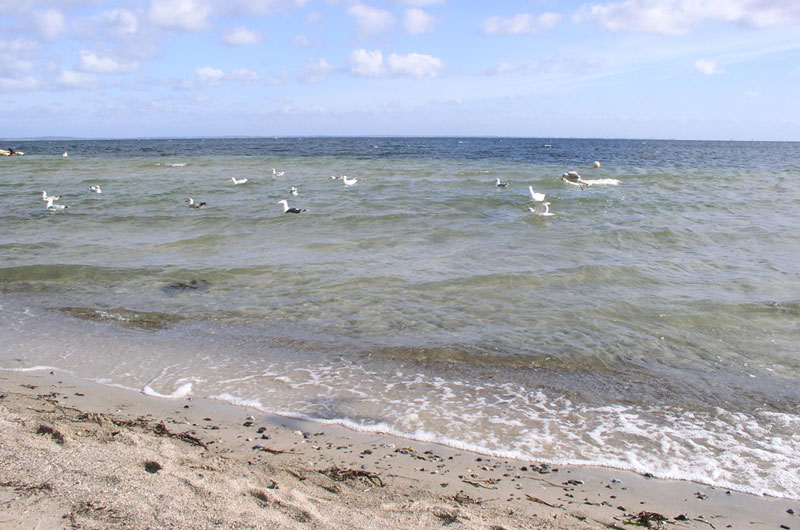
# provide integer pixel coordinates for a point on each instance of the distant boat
(11, 152)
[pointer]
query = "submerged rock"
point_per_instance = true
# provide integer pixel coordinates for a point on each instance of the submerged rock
(147, 320)
(192, 285)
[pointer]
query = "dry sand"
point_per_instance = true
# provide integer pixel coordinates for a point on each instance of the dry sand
(79, 455)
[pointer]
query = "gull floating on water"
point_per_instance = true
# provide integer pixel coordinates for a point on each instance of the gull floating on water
(501, 184)
(238, 181)
(347, 181)
(193, 204)
(46, 197)
(95, 189)
(51, 206)
(286, 208)
(538, 197)
(293, 191)
(277, 173)
(546, 211)
(572, 177)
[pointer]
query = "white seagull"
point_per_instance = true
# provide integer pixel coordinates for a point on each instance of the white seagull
(546, 211)
(501, 184)
(277, 173)
(95, 189)
(538, 197)
(46, 197)
(193, 204)
(286, 208)
(293, 191)
(238, 181)
(572, 177)
(52, 207)
(347, 181)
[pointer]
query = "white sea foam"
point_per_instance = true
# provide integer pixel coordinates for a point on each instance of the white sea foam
(182, 391)
(602, 182)
(29, 369)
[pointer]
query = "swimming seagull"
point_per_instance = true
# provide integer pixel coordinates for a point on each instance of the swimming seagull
(546, 211)
(286, 208)
(538, 197)
(238, 181)
(46, 197)
(347, 181)
(572, 177)
(501, 184)
(54, 207)
(193, 204)
(293, 191)
(277, 173)
(95, 189)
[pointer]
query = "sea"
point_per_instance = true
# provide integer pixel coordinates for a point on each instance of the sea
(650, 323)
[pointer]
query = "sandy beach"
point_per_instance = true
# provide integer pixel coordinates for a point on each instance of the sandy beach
(76, 454)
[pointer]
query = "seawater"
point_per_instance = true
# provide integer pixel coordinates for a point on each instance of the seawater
(651, 325)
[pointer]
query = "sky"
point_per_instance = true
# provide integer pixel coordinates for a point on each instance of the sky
(683, 69)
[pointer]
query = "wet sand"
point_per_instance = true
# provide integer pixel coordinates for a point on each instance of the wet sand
(75, 454)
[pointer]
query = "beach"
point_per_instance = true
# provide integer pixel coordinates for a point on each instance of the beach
(76, 454)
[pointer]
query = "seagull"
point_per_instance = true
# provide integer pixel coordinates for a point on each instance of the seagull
(277, 173)
(501, 184)
(546, 211)
(286, 208)
(46, 197)
(193, 204)
(573, 177)
(238, 181)
(538, 197)
(54, 207)
(95, 189)
(348, 182)
(293, 191)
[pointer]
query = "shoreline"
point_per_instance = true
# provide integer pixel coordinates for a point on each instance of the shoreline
(80, 454)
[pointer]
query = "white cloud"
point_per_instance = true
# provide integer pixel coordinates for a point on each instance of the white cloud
(188, 15)
(707, 67)
(242, 36)
(520, 24)
(121, 22)
(676, 17)
(93, 63)
(414, 65)
(258, 7)
(208, 76)
(365, 63)
(18, 84)
(16, 47)
(418, 21)
(243, 76)
(50, 23)
(78, 80)
(371, 20)
(315, 72)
